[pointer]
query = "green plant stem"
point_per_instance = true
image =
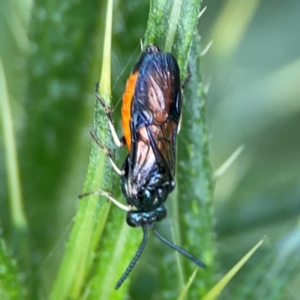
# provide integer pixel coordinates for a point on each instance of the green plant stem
(105, 78)
(195, 178)
(18, 218)
(92, 214)
(171, 26)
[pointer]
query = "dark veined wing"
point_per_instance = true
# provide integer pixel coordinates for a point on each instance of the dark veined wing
(156, 109)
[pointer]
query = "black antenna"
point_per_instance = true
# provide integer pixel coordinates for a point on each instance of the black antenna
(135, 259)
(180, 250)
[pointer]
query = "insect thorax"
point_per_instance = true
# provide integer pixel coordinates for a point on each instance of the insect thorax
(147, 193)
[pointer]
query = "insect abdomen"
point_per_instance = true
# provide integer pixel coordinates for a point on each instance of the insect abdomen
(126, 108)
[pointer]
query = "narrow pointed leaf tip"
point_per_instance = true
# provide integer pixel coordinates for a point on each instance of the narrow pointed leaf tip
(218, 288)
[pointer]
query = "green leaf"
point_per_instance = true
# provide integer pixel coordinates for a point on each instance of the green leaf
(171, 26)
(10, 285)
(270, 275)
(92, 214)
(195, 179)
(188, 285)
(218, 288)
(19, 221)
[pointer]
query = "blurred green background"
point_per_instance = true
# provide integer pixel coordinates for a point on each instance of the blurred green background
(254, 99)
(252, 74)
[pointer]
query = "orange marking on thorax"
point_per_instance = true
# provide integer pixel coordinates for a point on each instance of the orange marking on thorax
(126, 108)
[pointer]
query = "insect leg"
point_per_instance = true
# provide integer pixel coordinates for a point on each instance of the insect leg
(108, 196)
(107, 152)
(119, 142)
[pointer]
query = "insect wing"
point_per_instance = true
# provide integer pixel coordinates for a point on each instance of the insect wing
(156, 110)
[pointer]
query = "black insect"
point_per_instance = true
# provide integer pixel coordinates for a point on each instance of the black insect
(151, 114)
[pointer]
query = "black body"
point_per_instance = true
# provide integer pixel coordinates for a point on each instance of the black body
(155, 114)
